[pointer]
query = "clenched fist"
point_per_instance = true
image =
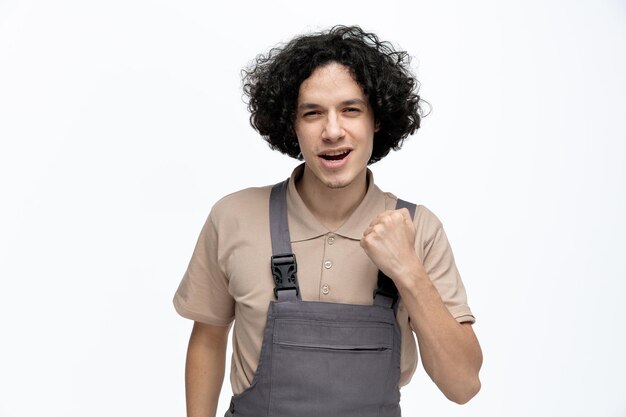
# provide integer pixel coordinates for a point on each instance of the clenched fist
(389, 241)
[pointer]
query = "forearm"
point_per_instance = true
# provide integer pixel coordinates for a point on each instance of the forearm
(204, 371)
(450, 352)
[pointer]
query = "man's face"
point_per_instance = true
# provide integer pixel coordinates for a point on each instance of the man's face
(335, 127)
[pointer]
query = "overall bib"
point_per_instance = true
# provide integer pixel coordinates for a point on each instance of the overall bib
(321, 359)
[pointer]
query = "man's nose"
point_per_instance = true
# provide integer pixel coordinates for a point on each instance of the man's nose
(333, 130)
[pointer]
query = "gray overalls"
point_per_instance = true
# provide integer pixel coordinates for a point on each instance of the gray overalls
(321, 359)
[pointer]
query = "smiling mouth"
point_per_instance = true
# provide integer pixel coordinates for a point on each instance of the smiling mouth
(335, 156)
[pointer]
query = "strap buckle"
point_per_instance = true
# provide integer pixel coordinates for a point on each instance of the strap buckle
(392, 295)
(386, 288)
(284, 272)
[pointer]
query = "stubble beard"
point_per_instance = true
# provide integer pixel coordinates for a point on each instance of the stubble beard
(337, 185)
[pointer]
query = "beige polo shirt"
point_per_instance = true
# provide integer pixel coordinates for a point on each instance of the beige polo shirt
(229, 276)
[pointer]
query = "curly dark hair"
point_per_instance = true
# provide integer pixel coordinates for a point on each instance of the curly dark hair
(272, 84)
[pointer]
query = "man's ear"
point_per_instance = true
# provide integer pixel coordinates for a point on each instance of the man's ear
(376, 126)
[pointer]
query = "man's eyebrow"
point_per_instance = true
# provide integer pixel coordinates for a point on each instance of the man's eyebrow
(305, 106)
(353, 101)
(350, 102)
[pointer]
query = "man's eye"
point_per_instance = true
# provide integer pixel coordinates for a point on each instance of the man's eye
(311, 113)
(352, 110)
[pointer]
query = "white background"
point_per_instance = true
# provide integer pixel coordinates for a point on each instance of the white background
(122, 122)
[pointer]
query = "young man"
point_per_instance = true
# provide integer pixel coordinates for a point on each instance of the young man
(295, 266)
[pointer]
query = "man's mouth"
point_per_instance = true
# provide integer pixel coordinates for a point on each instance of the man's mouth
(335, 155)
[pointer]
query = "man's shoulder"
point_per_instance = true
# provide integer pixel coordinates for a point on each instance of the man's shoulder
(249, 202)
(423, 218)
(426, 218)
(247, 195)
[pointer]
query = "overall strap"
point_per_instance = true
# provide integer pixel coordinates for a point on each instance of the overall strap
(284, 265)
(386, 293)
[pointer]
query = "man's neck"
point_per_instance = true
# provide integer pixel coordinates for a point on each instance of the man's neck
(331, 206)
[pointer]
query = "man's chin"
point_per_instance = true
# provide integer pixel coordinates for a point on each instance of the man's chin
(337, 186)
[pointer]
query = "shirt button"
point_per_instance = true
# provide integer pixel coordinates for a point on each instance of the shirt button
(331, 239)
(325, 289)
(328, 264)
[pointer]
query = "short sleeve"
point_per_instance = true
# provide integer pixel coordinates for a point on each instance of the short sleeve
(203, 292)
(441, 268)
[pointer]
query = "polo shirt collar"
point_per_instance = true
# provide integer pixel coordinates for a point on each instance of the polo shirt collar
(303, 225)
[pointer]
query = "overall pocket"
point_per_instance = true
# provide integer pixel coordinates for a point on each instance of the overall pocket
(330, 368)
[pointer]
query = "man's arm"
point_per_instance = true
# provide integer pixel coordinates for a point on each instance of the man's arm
(450, 351)
(204, 370)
